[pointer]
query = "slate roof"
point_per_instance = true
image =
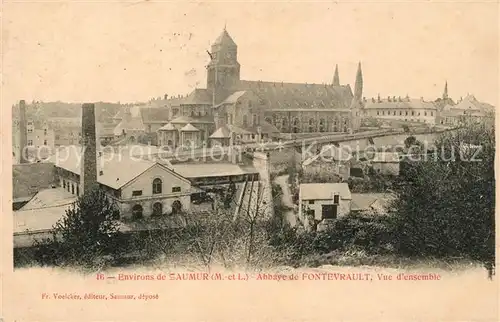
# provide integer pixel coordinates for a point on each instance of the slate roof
(167, 127)
(233, 98)
(117, 171)
(298, 95)
(28, 179)
(199, 96)
(51, 197)
(221, 133)
(133, 124)
(189, 128)
(224, 39)
(216, 169)
(404, 104)
(324, 191)
(154, 115)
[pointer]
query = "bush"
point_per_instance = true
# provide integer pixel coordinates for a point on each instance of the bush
(86, 235)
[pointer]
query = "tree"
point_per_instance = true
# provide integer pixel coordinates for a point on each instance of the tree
(86, 233)
(448, 207)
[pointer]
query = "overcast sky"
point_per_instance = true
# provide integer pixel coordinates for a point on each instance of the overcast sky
(110, 51)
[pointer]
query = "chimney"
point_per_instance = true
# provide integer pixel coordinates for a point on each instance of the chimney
(23, 133)
(165, 96)
(88, 172)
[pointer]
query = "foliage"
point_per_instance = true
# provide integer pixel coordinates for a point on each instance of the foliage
(446, 205)
(86, 233)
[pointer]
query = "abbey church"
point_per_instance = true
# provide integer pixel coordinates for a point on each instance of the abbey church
(258, 109)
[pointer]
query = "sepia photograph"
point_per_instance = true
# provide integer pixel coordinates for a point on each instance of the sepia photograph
(318, 151)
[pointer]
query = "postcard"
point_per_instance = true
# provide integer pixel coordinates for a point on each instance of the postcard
(249, 161)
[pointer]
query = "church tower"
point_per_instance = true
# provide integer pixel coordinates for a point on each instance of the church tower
(223, 71)
(445, 93)
(358, 86)
(336, 80)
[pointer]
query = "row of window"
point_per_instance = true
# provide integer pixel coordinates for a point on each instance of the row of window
(157, 188)
(413, 113)
(336, 200)
(71, 187)
(137, 210)
(30, 142)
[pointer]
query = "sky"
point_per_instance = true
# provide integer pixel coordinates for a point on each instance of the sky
(133, 51)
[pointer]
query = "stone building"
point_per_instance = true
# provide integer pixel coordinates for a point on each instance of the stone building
(262, 109)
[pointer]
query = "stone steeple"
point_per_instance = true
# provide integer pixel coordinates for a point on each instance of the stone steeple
(336, 80)
(445, 92)
(358, 86)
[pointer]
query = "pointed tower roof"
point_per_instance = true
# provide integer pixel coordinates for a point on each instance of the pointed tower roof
(445, 92)
(189, 128)
(167, 127)
(224, 39)
(336, 80)
(358, 86)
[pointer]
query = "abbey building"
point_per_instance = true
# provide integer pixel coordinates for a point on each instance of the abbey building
(257, 109)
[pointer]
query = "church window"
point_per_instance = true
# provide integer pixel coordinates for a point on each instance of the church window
(245, 120)
(254, 119)
(322, 125)
(284, 125)
(157, 186)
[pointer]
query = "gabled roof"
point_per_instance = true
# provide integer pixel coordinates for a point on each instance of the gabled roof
(132, 124)
(194, 120)
(116, 171)
(189, 128)
(297, 95)
(233, 98)
(222, 133)
(324, 191)
(199, 96)
(154, 115)
(167, 127)
(50, 197)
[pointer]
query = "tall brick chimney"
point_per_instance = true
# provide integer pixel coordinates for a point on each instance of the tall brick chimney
(23, 133)
(88, 171)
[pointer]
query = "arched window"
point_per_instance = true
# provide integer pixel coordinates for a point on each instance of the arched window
(157, 209)
(322, 125)
(157, 186)
(311, 125)
(176, 207)
(77, 190)
(296, 125)
(72, 189)
(64, 183)
(137, 212)
(254, 119)
(284, 125)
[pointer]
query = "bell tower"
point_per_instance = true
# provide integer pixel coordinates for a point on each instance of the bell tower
(223, 71)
